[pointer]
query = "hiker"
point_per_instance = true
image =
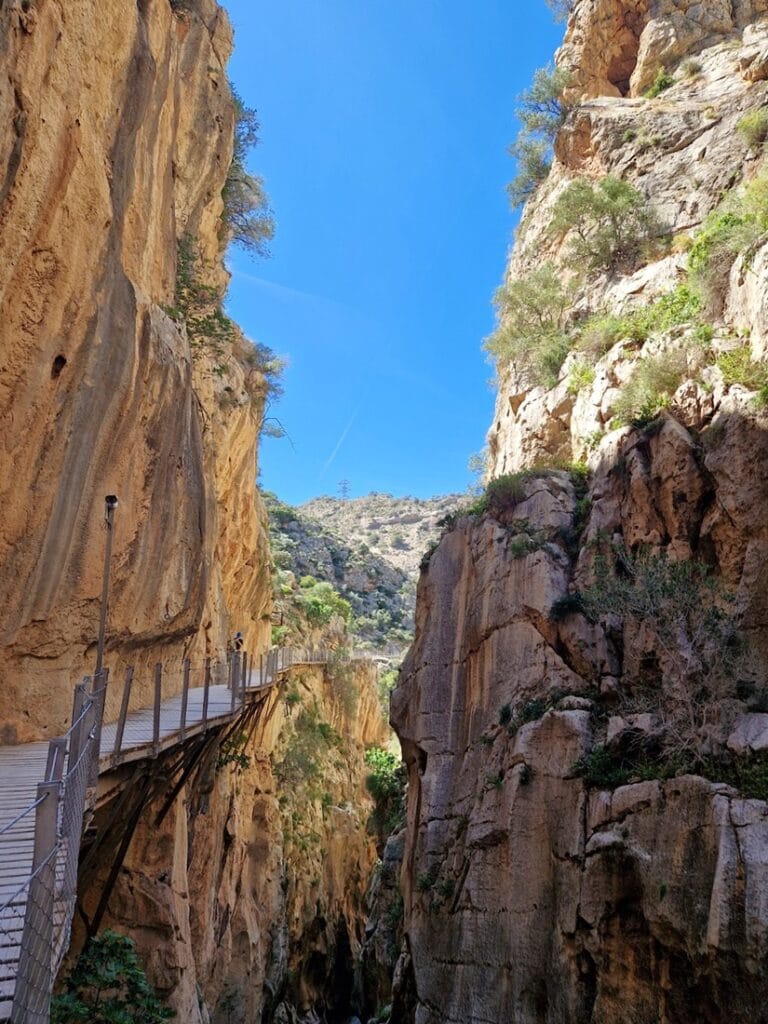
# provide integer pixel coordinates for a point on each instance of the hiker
(238, 643)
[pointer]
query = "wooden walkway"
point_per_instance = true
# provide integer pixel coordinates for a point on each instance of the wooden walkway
(23, 767)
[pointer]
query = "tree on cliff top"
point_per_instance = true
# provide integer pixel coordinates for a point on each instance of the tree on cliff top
(561, 8)
(247, 218)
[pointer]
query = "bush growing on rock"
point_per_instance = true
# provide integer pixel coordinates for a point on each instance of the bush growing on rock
(533, 313)
(734, 228)
(753, 127)
(608, 224)
(738, 367)
(107, 985)
(663, 81)
(654, 381)
(697, 644)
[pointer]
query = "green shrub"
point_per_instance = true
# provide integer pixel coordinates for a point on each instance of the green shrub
(598, 768)
(320, 602)
(532, 314)
(600, 332)
(582, 376)
(663, 81)
(505, 715)
(386, 784)
(232, 752)
(690, 619)
(753, 127)
(541, 112)
(570, 604)
(737, 367)
(728, 231)
(650, 388)
(534, 162)
(107, 985)
(609, 224)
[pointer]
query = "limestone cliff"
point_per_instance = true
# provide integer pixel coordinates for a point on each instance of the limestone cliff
(116, 138)
(246, 898)
(574, 851)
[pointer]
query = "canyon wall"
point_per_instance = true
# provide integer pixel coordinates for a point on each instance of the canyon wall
(247, 898)
(116, 139)
(560, 863)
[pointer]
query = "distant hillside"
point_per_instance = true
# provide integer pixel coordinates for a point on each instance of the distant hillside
(368, 549)
(399, 530)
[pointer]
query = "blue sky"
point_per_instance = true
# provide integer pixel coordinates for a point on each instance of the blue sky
(384, 127)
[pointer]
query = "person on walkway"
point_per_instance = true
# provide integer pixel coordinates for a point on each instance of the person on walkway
(238, 643)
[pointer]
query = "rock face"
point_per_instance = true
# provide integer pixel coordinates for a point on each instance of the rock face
(248, 898)
(532, 895)
(551, 901)
(116, 138)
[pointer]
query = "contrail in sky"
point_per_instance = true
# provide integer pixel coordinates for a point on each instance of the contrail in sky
(339, 443)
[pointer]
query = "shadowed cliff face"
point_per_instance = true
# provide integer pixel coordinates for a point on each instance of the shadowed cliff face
(115, 142)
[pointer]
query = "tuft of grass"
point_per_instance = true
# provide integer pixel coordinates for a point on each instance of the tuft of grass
(753, 127)
(650, 388)
(582, 376)
(691, 68)
(738, 367)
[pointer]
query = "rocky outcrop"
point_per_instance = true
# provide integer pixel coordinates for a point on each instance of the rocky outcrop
(116, 138)
(683, 152)
(247, 897)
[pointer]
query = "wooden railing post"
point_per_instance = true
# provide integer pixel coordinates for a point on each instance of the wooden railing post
(262, 680)
(206, 690)
(156, 710)
(184, 700)
(124, 705)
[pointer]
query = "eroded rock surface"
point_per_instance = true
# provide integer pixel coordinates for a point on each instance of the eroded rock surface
(116, 138)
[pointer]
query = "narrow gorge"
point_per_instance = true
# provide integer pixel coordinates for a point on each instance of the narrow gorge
(578, 831)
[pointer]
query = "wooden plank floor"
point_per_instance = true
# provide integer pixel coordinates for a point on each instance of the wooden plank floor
(23, 767)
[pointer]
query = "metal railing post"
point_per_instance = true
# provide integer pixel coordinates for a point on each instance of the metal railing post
(124, 705)
(78, 722)
(206, 691)
(156, 709)
(34, 981)
(234, 664)
(184, 699)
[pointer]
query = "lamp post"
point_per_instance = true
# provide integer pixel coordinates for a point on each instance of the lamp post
(110, 504)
